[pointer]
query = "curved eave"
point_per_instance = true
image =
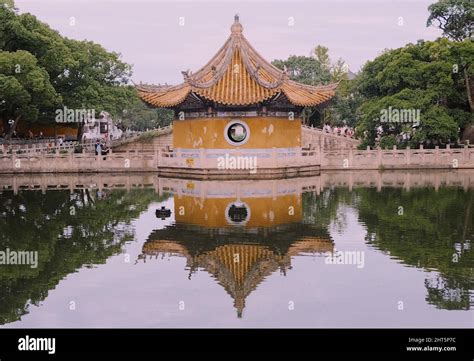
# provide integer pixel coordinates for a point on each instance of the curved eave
(306, 95)
(164, 97)
(244, 92)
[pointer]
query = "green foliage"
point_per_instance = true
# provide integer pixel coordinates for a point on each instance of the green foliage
(388, 141)
(454, 17)
(426, 235)
(94, 80)
(420, 228)
(138, 116)
(425, 76)
(304, 70)
(71, 73)
(69, 232)
(344, 106)
(321, 54)
(10, 4)
(315, 70)
(25, 88)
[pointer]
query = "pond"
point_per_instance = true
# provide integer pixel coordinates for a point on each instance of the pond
(342, 249)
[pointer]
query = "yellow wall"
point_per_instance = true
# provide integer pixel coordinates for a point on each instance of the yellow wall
(265, 132)
(50, 130)
(264, 212)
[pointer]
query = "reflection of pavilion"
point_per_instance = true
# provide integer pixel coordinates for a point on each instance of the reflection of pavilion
(240, 238)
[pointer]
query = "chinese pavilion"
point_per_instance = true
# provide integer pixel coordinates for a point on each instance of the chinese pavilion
(238, 100)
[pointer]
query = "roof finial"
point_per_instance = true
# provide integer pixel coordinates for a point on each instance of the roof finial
(236, 27)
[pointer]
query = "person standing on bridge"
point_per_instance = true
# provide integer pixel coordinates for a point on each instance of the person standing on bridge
(98, 147)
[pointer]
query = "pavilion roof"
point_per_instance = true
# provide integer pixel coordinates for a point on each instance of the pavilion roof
(236, 75)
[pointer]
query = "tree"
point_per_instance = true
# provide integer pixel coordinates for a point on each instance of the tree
(313, 70)
(344, 107)
(321, 54)
(26, 32)
(303, 69)
(25, 89)
(83, 73)
(7, 3)
(96, 80)
(418, 77)
(454, 17)
(339, 71)
(138, 116)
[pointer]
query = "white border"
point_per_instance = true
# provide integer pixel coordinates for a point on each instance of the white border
(231, 123)
(237, 203)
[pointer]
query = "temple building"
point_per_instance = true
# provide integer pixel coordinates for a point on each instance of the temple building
(237, 102)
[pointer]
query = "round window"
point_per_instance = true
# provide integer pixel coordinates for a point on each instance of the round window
(237, 213)
(237, 132)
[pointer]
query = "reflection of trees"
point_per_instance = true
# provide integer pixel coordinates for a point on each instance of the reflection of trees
(432, 230)
(68, 231)
(327, 207)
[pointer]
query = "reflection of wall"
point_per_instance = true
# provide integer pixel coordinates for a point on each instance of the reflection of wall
(264, 211)
(265, 132)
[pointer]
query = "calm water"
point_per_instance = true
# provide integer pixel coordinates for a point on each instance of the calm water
(337, 250)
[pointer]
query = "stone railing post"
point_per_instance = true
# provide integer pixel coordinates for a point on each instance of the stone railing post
(178, 157)
(465, 154)
(98, 162)
(450, 154)
(13, 162)
(351, 158)
(202, 158)
(320, 155)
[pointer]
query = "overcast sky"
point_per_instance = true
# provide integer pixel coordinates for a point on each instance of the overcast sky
(150, 34)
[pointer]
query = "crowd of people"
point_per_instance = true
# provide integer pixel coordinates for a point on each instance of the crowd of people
(344, 130)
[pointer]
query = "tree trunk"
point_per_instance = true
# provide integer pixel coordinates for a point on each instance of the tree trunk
(12, 128)
(80, 131)
(4, 125)
(469, 86)
(89, 198)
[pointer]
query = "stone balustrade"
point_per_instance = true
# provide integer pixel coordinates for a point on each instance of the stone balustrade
(188, 160)
(398, 158)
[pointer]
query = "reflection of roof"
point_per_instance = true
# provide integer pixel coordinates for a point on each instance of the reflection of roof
(239, 266)
(237, 75)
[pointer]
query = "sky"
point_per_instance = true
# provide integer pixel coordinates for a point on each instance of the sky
(162, 38)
